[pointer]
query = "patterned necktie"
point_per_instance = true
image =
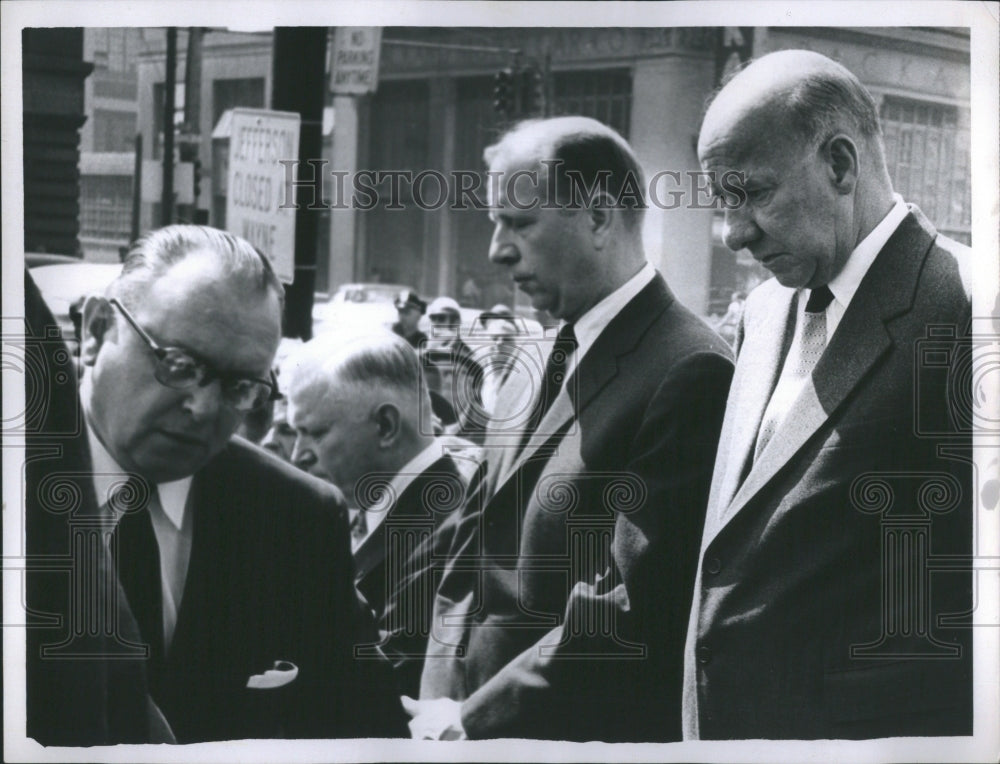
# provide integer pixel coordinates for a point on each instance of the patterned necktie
(137, 557)
(555, 372)
(812, 343)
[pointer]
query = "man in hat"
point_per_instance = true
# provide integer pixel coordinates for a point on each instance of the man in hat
(461, 373)
(500, 326)
(410, 308)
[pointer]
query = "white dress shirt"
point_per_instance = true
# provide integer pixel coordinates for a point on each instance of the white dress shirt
(590, 325)
(171, 524)
(843, 286)
(441, 445)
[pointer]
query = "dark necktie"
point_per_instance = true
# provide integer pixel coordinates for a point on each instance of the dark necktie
(359, 529)
(137, 558)
(555, 376)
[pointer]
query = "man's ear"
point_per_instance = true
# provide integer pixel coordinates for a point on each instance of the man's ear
(388, 420)
(843, 161)
(600, 216)
(97, 326)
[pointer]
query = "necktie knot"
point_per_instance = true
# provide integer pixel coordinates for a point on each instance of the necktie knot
(359, 527)
(819, 299)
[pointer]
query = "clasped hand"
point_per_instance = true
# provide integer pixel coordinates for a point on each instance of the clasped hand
(434, 719)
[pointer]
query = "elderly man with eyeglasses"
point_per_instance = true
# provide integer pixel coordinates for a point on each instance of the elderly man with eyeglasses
(237, 566)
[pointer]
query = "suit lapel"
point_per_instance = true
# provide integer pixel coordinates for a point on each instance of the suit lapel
(861, 339)
(371, 553)
(516, 398)
(593, 372)
(203, 567)
(757, 372)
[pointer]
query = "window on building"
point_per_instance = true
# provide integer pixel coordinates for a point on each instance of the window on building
(228, 94)
(114, 130)
(927, 152)
(604, 94)
(118, 60)
(106, 207)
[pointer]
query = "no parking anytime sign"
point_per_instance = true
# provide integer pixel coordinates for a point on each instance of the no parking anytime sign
(256, 208)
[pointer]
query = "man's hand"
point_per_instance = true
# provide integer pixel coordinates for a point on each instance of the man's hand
(437, 719)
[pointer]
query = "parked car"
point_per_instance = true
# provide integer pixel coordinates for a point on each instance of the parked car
(356, 307)
(364, 306)
(64, 287)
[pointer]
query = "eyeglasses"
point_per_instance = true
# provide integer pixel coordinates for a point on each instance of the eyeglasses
(178, 369)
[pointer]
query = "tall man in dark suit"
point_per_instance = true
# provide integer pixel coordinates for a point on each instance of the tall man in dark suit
(363, 421)
(237, 566)
(562, 614)
(841, 468)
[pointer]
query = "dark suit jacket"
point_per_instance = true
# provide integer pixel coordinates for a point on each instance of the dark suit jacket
(82, 688)
(399, 564)
(813, 615)
(569, 592)
(271, 578)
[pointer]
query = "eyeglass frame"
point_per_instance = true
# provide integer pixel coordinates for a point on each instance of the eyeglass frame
(208, 372)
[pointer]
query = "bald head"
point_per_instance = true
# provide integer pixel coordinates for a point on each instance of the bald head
(582, 154)
(795, 95)
(797, 137)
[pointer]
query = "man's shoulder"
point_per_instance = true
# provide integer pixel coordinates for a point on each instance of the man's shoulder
(686, 333)
(250, 470)
(950, 262)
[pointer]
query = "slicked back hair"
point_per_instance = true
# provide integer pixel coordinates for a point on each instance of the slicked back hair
(380, 360)
(155, 253)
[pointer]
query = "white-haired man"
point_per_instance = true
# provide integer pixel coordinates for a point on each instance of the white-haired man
(363, 421)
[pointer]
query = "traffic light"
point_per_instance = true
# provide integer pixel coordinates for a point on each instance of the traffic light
(503, 91)
(532, 92)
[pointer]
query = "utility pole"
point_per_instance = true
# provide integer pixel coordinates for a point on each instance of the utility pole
(298, 83)
(136, 189)
(191, 132)
(170, 81)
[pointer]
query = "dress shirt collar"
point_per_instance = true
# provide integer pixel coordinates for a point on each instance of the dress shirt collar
(590, 325)
(107, 473)
(846, 283)
(440, 446)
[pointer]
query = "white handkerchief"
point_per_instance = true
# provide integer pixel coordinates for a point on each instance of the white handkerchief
(283, 673)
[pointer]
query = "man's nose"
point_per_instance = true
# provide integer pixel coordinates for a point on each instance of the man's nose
(270, 440)
(739, 229)
(502, 250)
(203, 402)
(302, 456)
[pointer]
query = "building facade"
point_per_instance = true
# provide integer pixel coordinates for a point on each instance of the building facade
(433, 110)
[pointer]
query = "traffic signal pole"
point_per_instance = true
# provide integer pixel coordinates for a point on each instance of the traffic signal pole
(170, 80)
(299, 84)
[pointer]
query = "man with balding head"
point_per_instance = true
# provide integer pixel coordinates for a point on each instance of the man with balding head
(562, 614)
(362, 417)
(237, 566)
(815, 615)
